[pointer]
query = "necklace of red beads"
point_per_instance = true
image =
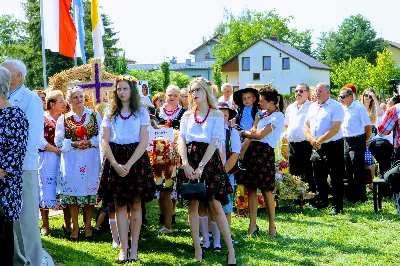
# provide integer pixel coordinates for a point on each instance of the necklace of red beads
(80, 122)
(125, 117)
(170, 113)
(205, 118)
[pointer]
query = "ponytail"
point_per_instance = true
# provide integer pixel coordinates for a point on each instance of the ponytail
(280, 102)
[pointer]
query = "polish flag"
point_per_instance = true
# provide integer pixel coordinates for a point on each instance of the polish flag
(59, 31)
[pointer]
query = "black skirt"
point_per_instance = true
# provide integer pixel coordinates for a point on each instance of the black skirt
(217, 180)
(259, 161)
(124, 190)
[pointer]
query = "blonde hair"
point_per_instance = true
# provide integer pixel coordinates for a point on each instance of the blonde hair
(51, 97)
(371, 108)
(171, 88)
(157, 96)
(214, 88)
(202, 83)
(183, 91)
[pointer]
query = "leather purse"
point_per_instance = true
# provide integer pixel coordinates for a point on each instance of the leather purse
(192, 190)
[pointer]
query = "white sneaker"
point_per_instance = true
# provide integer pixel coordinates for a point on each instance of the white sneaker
(115, 245)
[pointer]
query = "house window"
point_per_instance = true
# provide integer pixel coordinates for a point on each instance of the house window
(266, 63)
(285, 63)
(245, 63)
(207, 56)
(256, 76)
(292, 89)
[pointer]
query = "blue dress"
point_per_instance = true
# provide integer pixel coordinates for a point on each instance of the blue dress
(13, 142)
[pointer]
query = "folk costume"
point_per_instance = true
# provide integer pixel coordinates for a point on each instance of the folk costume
(80, 169)
(125, 138)
(171, 119)
(259, 158)
(198, 135)
(49, 166)
(245, 114)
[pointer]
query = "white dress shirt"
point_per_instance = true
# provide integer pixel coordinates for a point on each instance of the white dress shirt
(276, 119)
(355, 120)
(295, 119)
(126, 131)
(229, 102)
(32, 106)
(321, 117)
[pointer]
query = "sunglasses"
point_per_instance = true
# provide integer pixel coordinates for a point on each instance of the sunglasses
(344, 96)
(161, 100)
(368, 96)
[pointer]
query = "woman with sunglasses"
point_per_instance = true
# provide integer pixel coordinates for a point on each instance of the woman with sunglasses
(201, 139)
(374, 111)
(158, 99)
(168, 115)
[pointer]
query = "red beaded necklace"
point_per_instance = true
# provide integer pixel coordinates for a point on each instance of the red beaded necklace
(125, 117)
(170, 113)
(266, 114)
(205, 118)
(80, 122)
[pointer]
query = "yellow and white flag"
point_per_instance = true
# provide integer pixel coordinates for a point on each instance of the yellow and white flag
(97, 30)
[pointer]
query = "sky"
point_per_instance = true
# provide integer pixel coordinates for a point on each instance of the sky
(152, 31)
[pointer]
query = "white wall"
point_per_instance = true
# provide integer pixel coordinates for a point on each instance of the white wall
(233, 78)
(282, 80)
(317, 76)
(197, 72)
(200, 54)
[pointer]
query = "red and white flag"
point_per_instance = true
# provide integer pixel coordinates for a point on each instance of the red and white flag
(59, 32)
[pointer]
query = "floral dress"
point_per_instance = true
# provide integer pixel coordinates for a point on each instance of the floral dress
(13, 142)
(80, 169)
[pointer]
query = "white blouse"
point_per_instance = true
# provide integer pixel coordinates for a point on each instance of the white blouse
(66, 144)
(212, 128)
(126, 131)
(277, 120)
(171, 117)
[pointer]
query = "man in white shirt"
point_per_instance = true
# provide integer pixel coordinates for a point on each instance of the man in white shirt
(227, 92)
(357, 130)
(27, 243)
(322, 130)
(299, 148)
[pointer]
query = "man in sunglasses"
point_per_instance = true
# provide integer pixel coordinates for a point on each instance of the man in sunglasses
(357, 130)
(299, 148)
(322, 130)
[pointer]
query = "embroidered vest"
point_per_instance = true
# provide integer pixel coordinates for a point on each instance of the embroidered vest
(49, 131)
(71, 128)
(175, 123)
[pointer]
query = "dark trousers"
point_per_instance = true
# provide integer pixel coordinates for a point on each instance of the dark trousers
(330, 160)
(6, 243)
(396, 184)
(354, 155)
(300, 164)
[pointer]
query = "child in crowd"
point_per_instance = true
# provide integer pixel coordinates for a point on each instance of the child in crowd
(246, 118)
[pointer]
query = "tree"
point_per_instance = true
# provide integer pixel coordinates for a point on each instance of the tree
(250, 26)
(166, 74)
(354, 38)
(179, 79)
(217, 73)
(355, 71)
(382, 72)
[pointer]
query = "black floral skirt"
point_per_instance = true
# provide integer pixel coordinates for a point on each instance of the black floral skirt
(259, 161)
(217, 180)
(124, 190)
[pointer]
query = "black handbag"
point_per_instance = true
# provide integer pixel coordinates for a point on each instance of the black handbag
(194, 191)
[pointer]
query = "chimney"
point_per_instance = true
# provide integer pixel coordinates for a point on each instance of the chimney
(273, 37)
(173, 60)
(189, 62)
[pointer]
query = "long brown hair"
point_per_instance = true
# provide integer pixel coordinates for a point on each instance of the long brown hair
(116, 104)
(371, 108)
(271, 94)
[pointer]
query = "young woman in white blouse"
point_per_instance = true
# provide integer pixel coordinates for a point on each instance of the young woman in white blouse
(259, 159)
(127, 178)
(201, 135)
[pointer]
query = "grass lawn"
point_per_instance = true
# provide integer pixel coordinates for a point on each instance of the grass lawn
(305, 237)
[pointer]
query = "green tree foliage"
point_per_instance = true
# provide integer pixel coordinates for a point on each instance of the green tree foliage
(217, 73)
(156, 79)
(166, 73)
(382, 72)
(354, 38)
(250, 26)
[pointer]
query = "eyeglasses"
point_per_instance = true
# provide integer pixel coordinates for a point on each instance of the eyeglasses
(43, 98)
(160, 100)
(197, 90)
(368, 96)
(298, 91)
(344, 96)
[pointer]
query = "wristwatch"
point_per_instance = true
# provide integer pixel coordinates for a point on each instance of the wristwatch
(201, 165)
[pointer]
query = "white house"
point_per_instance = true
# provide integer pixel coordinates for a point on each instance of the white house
(394, 48)
(205, 51)
(273, 62)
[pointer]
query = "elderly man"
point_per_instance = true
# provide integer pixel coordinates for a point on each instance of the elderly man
(322, 130)
(28, 247)
(227, 92)
(299, 148)
(357, 130)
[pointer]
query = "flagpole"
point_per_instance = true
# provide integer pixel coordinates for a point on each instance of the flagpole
(43, 46)
(75, 22)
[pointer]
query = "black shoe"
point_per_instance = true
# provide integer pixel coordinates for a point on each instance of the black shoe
(255, 233)
(121, 261)
(217, 249)
(132, 260)
(336, 211)
(74, 239)
(173, 218)
(241, 165)
(65, 230)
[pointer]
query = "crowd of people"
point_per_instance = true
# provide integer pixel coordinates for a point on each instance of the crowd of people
(58, 154)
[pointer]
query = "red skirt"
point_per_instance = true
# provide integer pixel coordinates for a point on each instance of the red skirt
(259, 161)
(124, 190)
(217, 180)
